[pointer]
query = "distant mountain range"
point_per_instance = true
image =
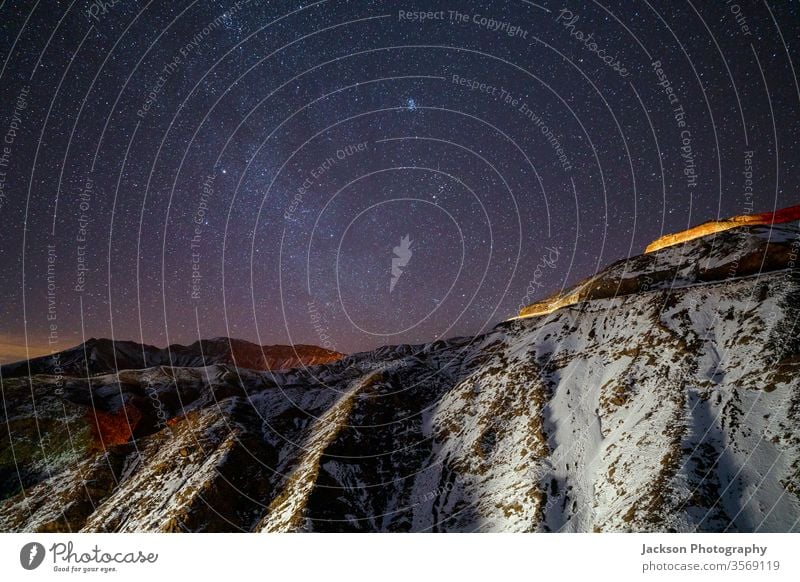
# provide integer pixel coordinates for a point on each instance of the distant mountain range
(661, 394)
(102, 356)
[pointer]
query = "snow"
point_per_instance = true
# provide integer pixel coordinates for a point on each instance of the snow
(669, 408)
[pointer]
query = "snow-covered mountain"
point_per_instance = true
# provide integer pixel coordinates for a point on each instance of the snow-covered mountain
(662, 396)
(738, 252)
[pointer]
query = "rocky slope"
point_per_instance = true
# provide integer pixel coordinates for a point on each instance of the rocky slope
(667, 402)
(735, 252)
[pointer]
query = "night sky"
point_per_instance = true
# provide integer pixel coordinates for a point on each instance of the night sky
(177, 170)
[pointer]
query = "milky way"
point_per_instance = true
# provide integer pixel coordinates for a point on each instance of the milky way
(352, 174)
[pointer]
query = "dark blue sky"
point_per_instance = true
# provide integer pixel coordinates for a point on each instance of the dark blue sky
(186, 169)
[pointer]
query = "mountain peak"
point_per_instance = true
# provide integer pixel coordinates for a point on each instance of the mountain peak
(103, 356)
(714, 251)
(781, 216)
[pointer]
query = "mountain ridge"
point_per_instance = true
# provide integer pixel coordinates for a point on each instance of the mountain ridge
(769, 219)
(102, 355)
(734, 252)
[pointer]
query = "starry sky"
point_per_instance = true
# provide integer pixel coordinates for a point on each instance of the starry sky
(177, 170)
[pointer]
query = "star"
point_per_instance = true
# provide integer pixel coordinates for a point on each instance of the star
(346, 128)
